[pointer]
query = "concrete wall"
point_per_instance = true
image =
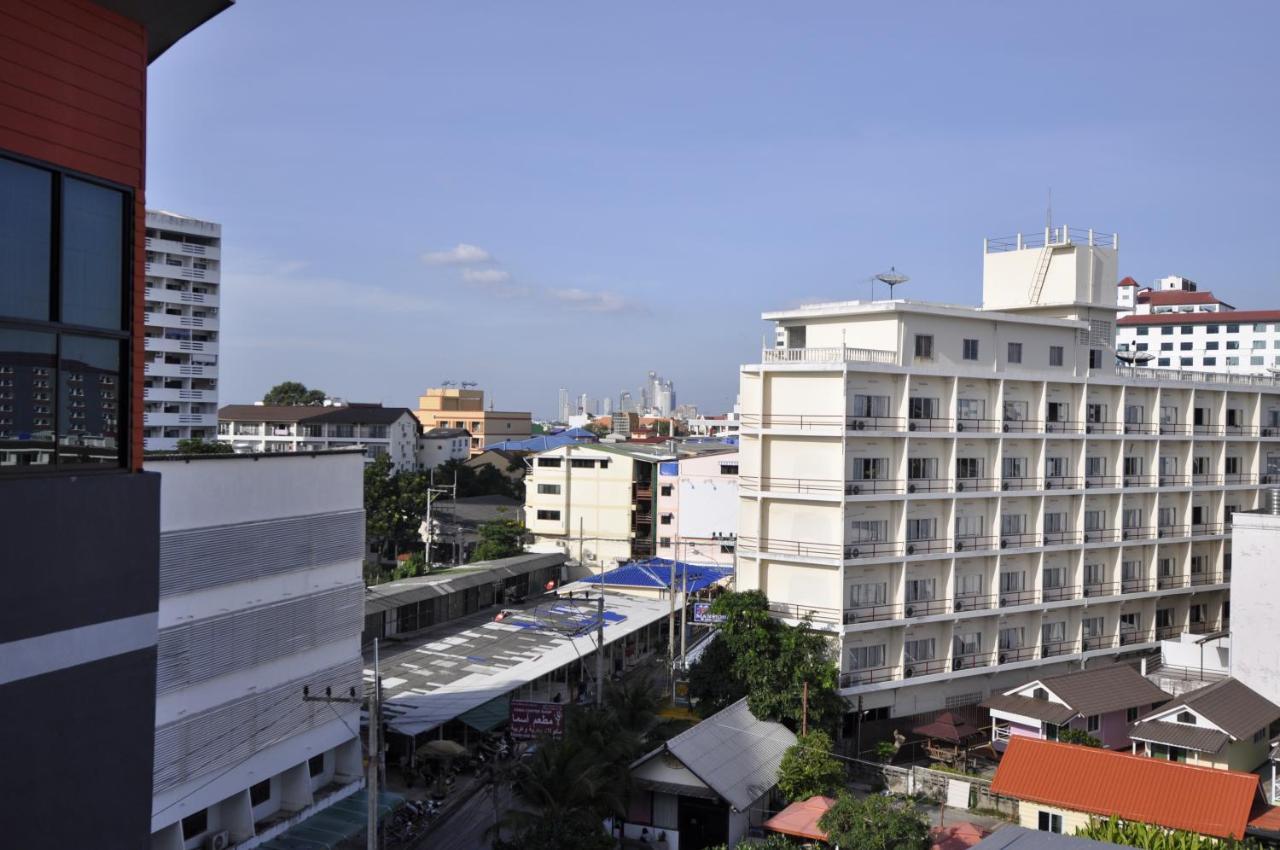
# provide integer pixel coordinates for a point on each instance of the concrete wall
(1029, 817)
(1255, 586)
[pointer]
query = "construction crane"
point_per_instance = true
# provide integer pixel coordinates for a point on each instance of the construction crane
(448, 383)
(466, 385)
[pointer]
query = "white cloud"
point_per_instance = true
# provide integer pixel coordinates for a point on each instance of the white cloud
(486, 277)
(461, 254)
(590, 302)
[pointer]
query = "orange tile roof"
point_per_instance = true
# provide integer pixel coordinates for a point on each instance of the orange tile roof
(1165, 298)
(801, 818)
(1103, 782)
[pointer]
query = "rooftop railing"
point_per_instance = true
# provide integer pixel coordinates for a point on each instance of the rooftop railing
(1062, 235)
(834, 354)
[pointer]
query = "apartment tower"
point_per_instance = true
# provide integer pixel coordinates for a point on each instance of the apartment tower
(183, 272)
(968, 498)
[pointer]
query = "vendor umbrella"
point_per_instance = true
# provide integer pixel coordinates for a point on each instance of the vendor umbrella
(442, 749)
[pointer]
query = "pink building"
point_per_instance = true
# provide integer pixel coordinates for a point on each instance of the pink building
(1101, 702)
(698, 507)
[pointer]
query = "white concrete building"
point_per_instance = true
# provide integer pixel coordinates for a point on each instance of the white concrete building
(698, 507)
(266, 428)
(1180, 327)
(974, 496)
(441, 445)
(183, 273)
(1255, 587)
(595, 502)
(261, 596)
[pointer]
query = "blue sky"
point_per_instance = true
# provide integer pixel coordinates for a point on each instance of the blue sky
(631, 185)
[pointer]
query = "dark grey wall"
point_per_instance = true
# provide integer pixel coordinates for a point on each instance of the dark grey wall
(77, 549)
(76, 748)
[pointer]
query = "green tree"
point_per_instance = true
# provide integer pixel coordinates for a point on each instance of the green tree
(809, 769)
(498, 539)
(874, 823)
(293, 394)
(567, 788)
(1068, 735)
(197, 446)
(771, 841)
(709, 682)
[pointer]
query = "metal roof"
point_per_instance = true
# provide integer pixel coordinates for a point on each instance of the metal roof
(384, 597)
(1104, 783)
(1105, 689)
(732, 752)
(166, 21)
(1179, 735)
(1021, 838)
(1038, 709)
(656, 573)
(1229, 704)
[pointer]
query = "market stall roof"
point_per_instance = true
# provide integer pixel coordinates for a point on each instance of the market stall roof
(655, 574)
(801, 818)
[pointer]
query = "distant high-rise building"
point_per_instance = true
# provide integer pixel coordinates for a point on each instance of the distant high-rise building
(183, 273)
(606, 406)
(625, 403)
(584, 404)
(562, 411)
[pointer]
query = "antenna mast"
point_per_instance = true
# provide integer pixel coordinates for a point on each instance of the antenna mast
(891, 278)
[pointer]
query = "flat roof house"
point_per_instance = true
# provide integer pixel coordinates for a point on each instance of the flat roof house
(1102, 702)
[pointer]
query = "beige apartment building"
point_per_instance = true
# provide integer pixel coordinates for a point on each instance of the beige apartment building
(449, 407)
(971, 497)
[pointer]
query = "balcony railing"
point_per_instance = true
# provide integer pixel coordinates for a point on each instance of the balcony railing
(1063, 482)
(1173, 531)
(923, 667)
(1135, 585)
(974, 542)
(1208, 430)
(1101, 535)
(983, 426)
(1174, 429)
(1063, 426)
(926, 546)
(925, 607)
(1129, 638)
(1049, 649)
(868, 676)
(1240, 430)
(1059, 593)
(1019, 541)
(925, 423)
(928, 485)
(1058, 538)
(834, 354)
(1091, 481)
(1139, 480)
(1170, 581)
(1167, 632)
(1202, 578)
(1090, 643)
(802, 486)
(871, 613)
(1022, 426)
(1206, 478)
(1012, 598)
(805, 612)
(1137, 532)
(1205, 529)
(973, 602)
(875, 423)
(1011, 654)
(871, 549)
(795, 547)
(1016, 483)
(1173, 480)
(1106, 588)
(1240, 478)
(863, 486)
(1103, 427)
(971, 661)
(976, 484)
(1141, 428)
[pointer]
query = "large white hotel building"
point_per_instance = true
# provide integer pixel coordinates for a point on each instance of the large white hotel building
(183, 271)
(973, 497)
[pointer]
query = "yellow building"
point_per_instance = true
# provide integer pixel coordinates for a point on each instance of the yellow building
(448, 407)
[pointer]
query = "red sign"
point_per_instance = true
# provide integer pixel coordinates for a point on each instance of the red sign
(533, 719)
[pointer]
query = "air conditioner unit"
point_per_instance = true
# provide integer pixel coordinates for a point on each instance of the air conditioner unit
(859, 425)
(1004, 602)
(959, 486)
(220, 840)
(854, 552)
(855, 489)
(1006, 427)
(911, 426)
(909, 611)
(911, 488)
(959, 605)
(908, 672)
(1004, 544)
(957, 663)
(959, 426)
(959, 546)
(1004, 485)
(1088, 429)
(911, 550)
(1048, 484)
(1268, 432)
(1003, 658)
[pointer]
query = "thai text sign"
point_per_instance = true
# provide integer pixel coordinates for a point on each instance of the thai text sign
(702, 613)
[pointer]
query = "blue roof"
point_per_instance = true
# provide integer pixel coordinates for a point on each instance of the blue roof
(656, 573)
(543, 442)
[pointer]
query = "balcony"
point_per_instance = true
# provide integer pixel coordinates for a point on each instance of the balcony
(1208, 430)
(923, 667)
(875, 423)
(868, 676)
(164, 295)
(1139, 480)
(1014, 598)
(1201, 579)
(964, 485)
(172, 394)
(1063, 482)
(1022, 426)
(1167, 632)
(1063, 427)
(1091, 643)
(871, 549)
(928, 485)
(1139, 429)
(973, 602)
(1049, 649)
(982, 426)
(1205, 479)
(1240, 478)
(1013, 654)
(1170, 581)
(798, 486)
(178, 370)
(970, 661)
(792, 611)
(800, 548)
(1135, 585)
(921, 423)
(1016, 483)
(975, 543)
(835, 354)
(156, 343)
(1174, 429)
(1092, 481)
(1131, 637)
(1106, 588)
(1137, 532)
(1103, 427)
(1060, 593)
(925, 607)
(1174, 480)
(1169, 531)
(1059, 538)
(865, 486)
(1024, 540)
(925, 546)
(1207, 529)
(174, 420)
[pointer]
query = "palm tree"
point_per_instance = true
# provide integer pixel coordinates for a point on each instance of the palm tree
(563, 781)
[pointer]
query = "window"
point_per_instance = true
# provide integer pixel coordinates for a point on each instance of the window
(582, 463)
(1211, 345)
(923, 649)
(553, 462)
(868, 530)
(553, 516)
(924, 347)
(1142, 331)
(86, 226)
(1093, 723)
(1014, 467)
(1213, 329)
(1167, 330)
(665, 490)
(1190, 361)
(969, 467)
(1095, 358)
(1011, 638)
(728, 469)
(971, 408)
(1257, 361)
(1055, 355)
(259, 793)
(1184, 346)
(1095, 413)
(920, 589)
(866, 657)
(1233, 361)
(1142, 346)
(1233, 345)
(1015, 411)
(315, 765)
(1210, 361)
(922, 408)
(194, 825)
(1131, 715)
(921, 529)
(549, 489)
(1012, 582)
(970, 351)
(1259, 343)
(1162, 361)
(1050, 822)
(1015, 352)
(664, 542)
(922, 468)
(1166, 346)
(871, 405)
(869, 468)
(867, 595)
(1186, 717)
(1058, 411)
(665, 519)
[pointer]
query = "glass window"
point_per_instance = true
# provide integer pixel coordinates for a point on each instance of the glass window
(1167, 330)
(1232, 345)
(1190, 361)
(1015, 352)
(26, 216)
(1162, 361)
(1213, 329)
(924, 346)
(970, 349)
(1259, 343)
(1055, 355)
(1184, 346)
(28, 365)
(88, 400)
(1212, 345)
(1142, 331)
(92, 255)
(1186, 329)
(1166, 346)
(1256, 361)
(1233, 329)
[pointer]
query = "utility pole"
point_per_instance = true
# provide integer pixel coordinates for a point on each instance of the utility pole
(684, 614)
(671, 629)
(372, 768)
(804, 709)
(600, 650)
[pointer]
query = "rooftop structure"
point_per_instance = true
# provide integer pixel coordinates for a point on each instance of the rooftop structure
(380, 431)
(972, 497)
(464, 408)
(1254, 591)
(698, 504)
(1072, 783)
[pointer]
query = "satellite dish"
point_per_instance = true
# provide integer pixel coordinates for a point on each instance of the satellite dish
(1133, 358)
(891, 278)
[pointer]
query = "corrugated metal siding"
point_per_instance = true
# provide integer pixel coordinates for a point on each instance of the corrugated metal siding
(195, 652)
(232, 732)
(207, 557)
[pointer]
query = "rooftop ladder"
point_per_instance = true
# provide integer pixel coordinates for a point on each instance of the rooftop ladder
(1042, 272)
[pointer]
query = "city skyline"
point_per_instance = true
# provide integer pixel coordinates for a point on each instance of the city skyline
(553, 199)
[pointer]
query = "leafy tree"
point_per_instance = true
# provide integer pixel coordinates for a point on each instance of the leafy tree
(567, 788)
(1068, 735)
(197, 446)
(411, 567)
(1149, 837)
(875, 823)
(770, 662)
(293, 394)
(499, 539)
(771, 841)
(809, 769)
